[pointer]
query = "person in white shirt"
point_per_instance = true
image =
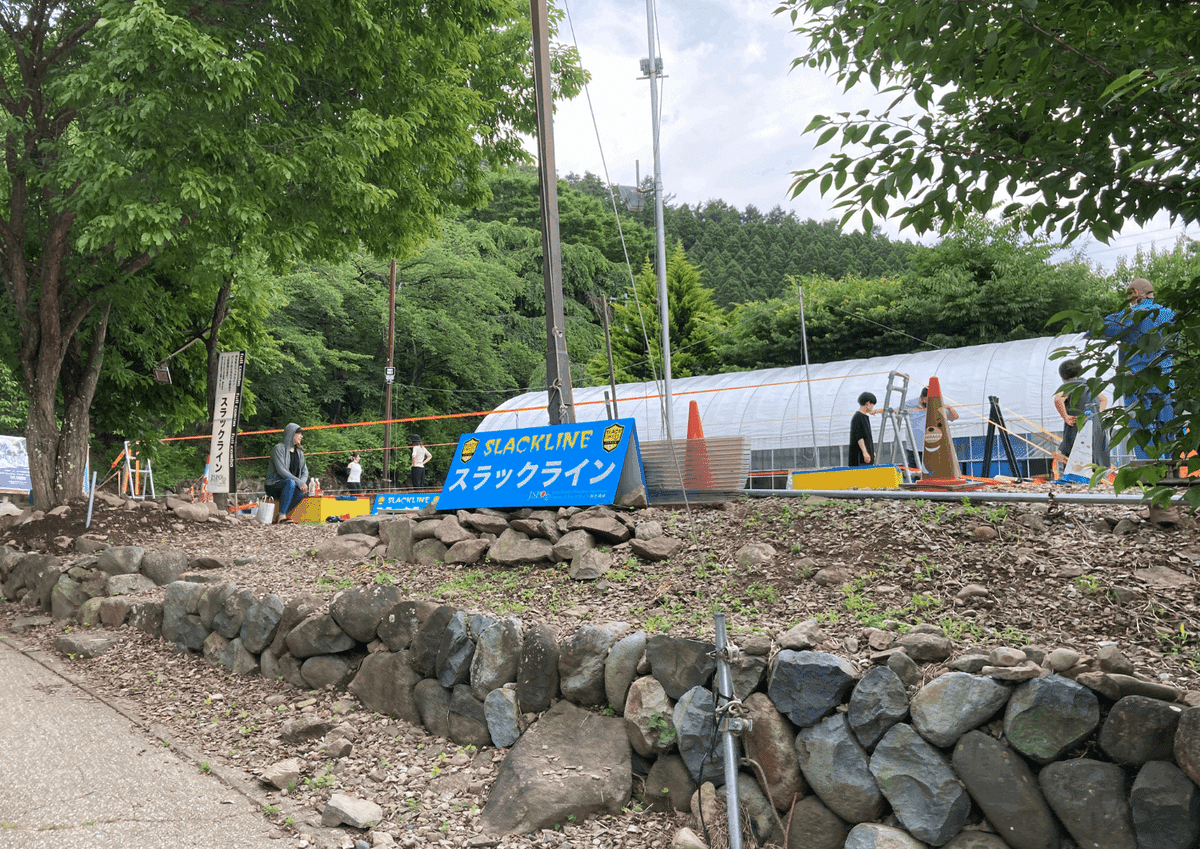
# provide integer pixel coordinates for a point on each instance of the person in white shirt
(354, 476)
(420, 456)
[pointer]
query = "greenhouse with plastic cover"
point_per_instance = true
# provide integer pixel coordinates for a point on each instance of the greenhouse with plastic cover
(782, 419)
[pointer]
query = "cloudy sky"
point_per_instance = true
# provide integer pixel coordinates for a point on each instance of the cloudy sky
(733, 110)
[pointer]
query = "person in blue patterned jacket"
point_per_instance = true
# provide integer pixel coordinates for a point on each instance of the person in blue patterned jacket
(1143, 317)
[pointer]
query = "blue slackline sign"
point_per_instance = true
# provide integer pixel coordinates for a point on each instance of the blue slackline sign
(402, 501)
(592, 463)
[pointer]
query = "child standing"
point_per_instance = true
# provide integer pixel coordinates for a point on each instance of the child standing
(862, 444)
(354, 476)
(1074, 400)
(420, 456)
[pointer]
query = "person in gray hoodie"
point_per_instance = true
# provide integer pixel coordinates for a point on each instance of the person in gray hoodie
(287, 481)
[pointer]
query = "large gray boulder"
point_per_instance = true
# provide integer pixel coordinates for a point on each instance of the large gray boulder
(318, 634)
(919, 784)
(620, 669)
(384, 684)
(1006, 790)
(513, 547)
(359, 611)
(680, 664)
(1138, 729)
(837, 769)
(807, 686)
(537, 673)
(163, 567)
(1047, 717)
(878, 702)
(453, 664)
(570, 765)
(121, 559)
(1091, 800)
(497, 657)
(695, 725)
(771, 742)
(581, 662)
(261, 622)
(952, 704)
(1165, 805)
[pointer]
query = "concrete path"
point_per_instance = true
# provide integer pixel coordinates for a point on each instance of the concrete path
(77, 773)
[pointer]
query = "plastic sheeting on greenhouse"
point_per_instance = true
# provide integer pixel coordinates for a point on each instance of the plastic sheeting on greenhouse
(772, 407)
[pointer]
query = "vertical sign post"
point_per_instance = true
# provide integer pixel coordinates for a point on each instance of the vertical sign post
(222, 452)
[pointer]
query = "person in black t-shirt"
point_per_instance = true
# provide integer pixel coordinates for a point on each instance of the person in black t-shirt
(862, 444)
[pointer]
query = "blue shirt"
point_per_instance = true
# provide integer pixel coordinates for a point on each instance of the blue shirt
(1130, 325)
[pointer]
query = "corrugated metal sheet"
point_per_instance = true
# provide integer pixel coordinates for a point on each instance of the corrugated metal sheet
(712, 468)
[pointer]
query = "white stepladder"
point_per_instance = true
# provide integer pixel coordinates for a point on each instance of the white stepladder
(137, 479)
(898, 417)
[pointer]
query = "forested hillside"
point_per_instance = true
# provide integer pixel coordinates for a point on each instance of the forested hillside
(748, 256)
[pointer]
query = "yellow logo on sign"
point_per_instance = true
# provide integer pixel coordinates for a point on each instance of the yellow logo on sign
(468, 450)
(612, 436)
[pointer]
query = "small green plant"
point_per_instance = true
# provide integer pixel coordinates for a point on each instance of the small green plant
(1089, 584)
(289, 820)
(762, 592)
(806, 571)
(1174, 641)
(205, 768)
(663, 727)
(1012, 635)
(270, 810)
(414, 804)
(321, 782)
(384, 579)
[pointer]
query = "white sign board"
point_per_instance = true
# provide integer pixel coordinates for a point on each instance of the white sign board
(222, 452)
(14, 464)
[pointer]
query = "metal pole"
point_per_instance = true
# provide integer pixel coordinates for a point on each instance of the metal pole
(812, 414)
(612, 373)
(653, 73)
(725, 689)
(391, 361)
(560, 403)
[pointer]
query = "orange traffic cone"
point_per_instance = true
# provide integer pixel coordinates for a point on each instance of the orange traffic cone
(695, 430)
(697, 474)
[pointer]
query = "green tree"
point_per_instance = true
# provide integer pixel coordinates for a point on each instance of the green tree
(1088, 125)
(137, 129)
(1091, 123)
(696, 324)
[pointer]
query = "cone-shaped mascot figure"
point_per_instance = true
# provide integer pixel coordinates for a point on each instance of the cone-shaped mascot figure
(940, 458)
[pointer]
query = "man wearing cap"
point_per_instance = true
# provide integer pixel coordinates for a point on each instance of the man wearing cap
(1143, 317)
(288, 479)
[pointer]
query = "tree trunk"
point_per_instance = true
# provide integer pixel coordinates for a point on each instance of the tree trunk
(79, 378)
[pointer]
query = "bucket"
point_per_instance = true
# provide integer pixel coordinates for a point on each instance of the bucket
(266, 512)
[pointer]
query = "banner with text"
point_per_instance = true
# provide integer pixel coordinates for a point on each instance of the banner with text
(222, 467)
(593, 463)
(14, 464)
(401, 501)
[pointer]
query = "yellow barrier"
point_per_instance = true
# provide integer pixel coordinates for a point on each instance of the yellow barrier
(318, 508)
(855, 477)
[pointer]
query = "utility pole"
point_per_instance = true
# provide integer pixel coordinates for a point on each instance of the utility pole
(652, 68)
(561, 402)
(391, 366)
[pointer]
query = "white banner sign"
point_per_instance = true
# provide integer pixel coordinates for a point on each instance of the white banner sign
(222, 467)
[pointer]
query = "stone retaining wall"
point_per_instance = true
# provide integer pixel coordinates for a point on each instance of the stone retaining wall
(1018, 747)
